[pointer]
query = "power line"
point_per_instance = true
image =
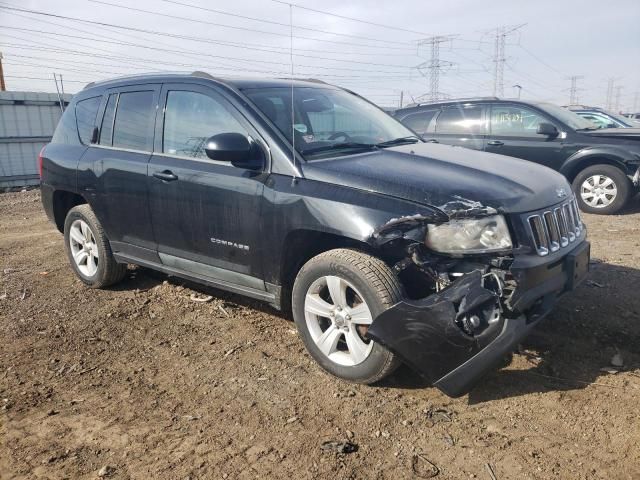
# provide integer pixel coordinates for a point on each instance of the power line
(262, 20)
(353, 19)
(235, 27)
(115, 42)
(184, 37)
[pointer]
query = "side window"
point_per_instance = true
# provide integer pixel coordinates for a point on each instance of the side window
(516, 121)
(106, 129)
(419, 121)
(86, 112)
(458, 120)
(190, 119)
(134, 117)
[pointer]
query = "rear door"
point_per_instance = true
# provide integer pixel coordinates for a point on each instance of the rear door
(113, 171)
(205, 213)
(462, 125)
(513, 132)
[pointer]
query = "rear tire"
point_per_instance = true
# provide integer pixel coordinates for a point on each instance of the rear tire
(88, 249)
(333, 329)
(602, 189)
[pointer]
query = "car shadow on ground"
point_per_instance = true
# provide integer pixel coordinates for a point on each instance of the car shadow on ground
(567, 351)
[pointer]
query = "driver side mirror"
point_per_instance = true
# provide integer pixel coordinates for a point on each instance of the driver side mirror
(547, 129)
(235, 148)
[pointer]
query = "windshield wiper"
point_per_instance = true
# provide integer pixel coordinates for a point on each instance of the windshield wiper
(341, 146)
(398, 141)
(587, 128)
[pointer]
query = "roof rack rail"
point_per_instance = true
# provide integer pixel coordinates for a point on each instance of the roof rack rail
(451, 100)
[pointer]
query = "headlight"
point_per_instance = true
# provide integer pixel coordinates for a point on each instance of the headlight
(478, 235)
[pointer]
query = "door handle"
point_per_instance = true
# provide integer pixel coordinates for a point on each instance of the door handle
(495, 143)
(432, 140)
(166, 176)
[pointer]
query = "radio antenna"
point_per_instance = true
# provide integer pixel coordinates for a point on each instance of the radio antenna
(293, 129)
(55, 79)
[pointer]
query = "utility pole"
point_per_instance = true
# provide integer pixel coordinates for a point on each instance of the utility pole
(573, 91)
(500, 57)
(401, 98)
(618, 95)
(2, 85)
(610, 84)
(434, 66)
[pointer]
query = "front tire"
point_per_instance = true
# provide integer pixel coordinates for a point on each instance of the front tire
(336, 296)
(602, 189)
(88, 249)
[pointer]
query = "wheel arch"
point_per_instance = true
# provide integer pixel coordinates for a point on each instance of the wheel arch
(62, 202)
(585, 159)
(301, 245)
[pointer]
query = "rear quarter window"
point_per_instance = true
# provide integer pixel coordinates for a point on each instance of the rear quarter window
(67, 131)
(86, 112)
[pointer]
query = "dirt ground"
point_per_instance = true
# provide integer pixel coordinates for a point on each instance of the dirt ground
(139, 381)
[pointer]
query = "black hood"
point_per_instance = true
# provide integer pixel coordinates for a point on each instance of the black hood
(450, 178)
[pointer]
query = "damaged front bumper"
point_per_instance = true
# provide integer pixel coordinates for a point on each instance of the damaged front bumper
(435, 334)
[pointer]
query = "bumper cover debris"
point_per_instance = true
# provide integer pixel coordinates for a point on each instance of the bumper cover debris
(430, 334)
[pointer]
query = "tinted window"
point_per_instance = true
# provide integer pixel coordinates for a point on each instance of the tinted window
(460, 121)
(106, 129)
(419, 121)
(67, 129)
(512, 120)
(86, 111)
(134, 117)
(191, 118)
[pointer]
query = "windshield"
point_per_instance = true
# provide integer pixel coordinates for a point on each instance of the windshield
(329, 121)
(572, 119)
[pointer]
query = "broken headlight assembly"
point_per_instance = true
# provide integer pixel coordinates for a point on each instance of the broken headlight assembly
(468, 236)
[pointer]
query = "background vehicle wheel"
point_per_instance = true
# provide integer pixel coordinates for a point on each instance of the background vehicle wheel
(336, 296)
(602, 189)
(88, 249)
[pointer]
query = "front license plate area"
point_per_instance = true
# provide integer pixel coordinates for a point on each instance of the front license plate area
(577, 265)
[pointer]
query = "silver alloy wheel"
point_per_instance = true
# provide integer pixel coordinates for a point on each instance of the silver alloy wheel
(337, 318)
(83, 248)
(598, 191)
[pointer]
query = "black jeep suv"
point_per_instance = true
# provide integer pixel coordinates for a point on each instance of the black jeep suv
(603, 165)
(385, 248)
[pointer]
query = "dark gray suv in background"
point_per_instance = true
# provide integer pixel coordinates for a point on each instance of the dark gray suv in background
(603, 165)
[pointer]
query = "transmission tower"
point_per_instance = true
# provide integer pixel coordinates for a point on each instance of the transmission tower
(610, 84)
(434, 66)
(500, 57)
(618, 95)
(573, 91)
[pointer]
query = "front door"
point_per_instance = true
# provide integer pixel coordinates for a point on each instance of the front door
(513, 132)
(205, 213)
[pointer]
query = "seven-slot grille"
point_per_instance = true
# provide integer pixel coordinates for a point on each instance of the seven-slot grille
(556, 227)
